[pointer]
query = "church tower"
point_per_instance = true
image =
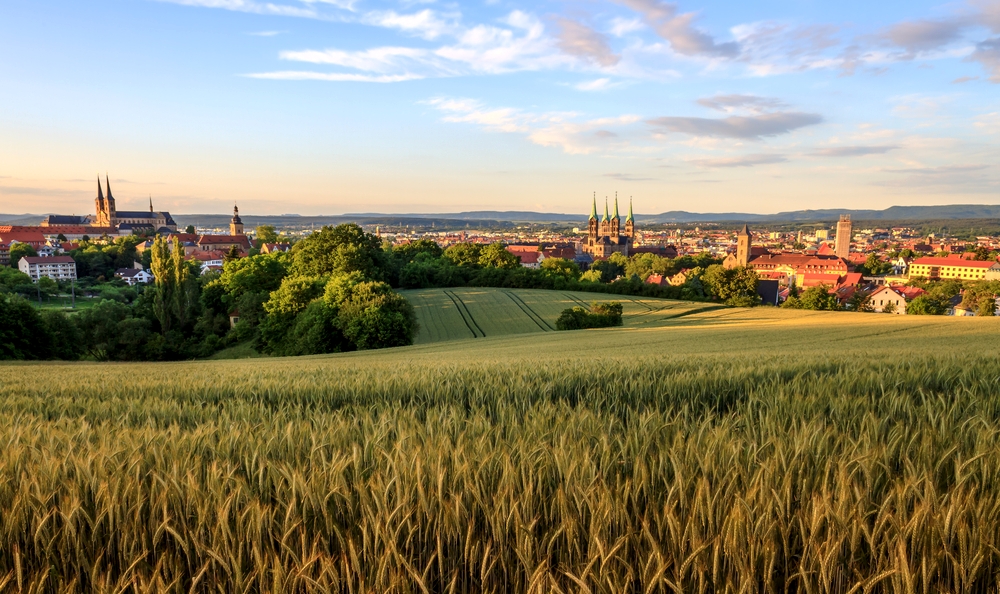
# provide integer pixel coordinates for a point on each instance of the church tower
(592, 221)
(236, 225)
(630, 222)
(101, 219)
(109, 205)
(616, 220)
(743, 246)
(605, 221)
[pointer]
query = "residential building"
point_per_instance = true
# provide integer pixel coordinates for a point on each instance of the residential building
(887, 296)
(55, 267)
(954, 268)
(134, 276)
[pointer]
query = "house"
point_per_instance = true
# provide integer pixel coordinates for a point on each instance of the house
(888, 297)
(531, 259)
(214, 243)
(900, 265)
(272, 248)
(29, 235)
(4, 254)
(60, 268)
(210, 261)
(680, 278)
(954, 268)
(133, 276)
(656, 279)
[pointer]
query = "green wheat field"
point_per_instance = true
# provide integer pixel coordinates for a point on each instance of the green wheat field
(695, 449)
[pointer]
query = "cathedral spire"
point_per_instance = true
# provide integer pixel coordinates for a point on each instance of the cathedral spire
(100, 194)
(150, 204)
(629, 210)
(107, 181)
(593, 208)
(616, 207)
(605, 209)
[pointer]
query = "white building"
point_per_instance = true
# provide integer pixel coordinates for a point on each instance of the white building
(134, 276)
(55, 267)
(888, 297)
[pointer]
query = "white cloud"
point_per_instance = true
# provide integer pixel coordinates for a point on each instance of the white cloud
(599, 84)
(621, 27)
(334, 76)
(562, 130)
(426, 23)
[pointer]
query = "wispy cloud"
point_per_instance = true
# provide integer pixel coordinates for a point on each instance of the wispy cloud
(266, 33)
(628, 177)
(565, 130)
(679, 30)
(736, 102)
(741, 161)
(853, 151)
(744, 127)
(576, 39)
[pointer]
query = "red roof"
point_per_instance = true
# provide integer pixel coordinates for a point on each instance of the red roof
(826, 250)
(207, 256)
(656, 279)
(528, 257)
(851, 279)
(184, 237)
(30, 237)
(932, 261)
(224, 239)
(911, 292)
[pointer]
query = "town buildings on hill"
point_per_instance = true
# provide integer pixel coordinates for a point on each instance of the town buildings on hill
(108, 220)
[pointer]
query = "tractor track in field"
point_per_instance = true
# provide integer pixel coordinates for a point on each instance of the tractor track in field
(537, 319)
(463, 310)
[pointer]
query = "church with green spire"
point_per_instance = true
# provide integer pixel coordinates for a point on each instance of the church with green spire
(605, 236)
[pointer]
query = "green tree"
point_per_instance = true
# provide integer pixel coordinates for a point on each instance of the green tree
(561, 267)
(889, 308)
(496, 255)
(926, 305)
(819, 298)
(47, 287)
(233, 254)
(175, 293)
(61, 238)
(338, 250)
(266, 234)
(734, 286)
(376, 317)
(861, 301)
(14, 281)
(23, 334)
(464, 254)
(20, 250)
(189, 229)
(66, 339)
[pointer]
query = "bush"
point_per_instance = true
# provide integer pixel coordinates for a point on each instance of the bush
(601, 315)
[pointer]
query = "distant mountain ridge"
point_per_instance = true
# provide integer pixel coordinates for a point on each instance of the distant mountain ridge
(496, 217)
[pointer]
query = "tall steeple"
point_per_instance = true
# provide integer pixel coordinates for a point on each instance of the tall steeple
(99, 201)
(616, 207)
(593, 208)
(630, 218)
(150, 204)
(236, 225)
(109, 202)
(605, 217)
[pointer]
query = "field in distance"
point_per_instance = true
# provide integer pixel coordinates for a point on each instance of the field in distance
(460, 313)
(695, 450)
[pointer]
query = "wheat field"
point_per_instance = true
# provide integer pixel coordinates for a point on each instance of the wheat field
(720, 451)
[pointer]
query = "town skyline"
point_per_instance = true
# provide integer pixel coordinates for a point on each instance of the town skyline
(434, 107)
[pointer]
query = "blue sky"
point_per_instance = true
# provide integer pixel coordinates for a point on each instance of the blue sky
(333, 106)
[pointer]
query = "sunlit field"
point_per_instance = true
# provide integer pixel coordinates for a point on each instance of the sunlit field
(723, 450)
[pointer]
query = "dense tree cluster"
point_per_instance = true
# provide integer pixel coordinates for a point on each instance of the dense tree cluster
(600, 315)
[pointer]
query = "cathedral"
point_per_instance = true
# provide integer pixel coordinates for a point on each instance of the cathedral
(108, 217)
(604, 236)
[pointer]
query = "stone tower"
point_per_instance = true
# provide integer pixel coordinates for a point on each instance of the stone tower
(236, 225)
(630, 222)
(743, 240)
(843, 246)
(592, 224)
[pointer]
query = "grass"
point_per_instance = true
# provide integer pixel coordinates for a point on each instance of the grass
(64, 302)
(453, 314)
(719, 451)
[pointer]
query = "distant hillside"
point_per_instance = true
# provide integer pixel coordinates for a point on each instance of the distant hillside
(495, 218)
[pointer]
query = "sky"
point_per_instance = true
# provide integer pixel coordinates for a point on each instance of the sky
(351, 106)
